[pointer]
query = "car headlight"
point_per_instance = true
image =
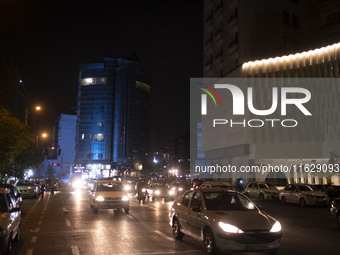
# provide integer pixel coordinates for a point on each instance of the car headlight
(125, 198)
(229, 228)
(157, 192)
(100, 198)
(171, 192)
(143, 189)
(276, 227)
(173, 188)
(180, 189)
(127, 187)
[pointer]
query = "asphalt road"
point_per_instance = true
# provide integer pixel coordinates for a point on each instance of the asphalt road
(63, 223)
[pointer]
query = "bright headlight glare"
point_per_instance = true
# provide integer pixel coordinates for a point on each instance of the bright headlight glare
(180, 189)
(276, 227)
(157, 192)
(143, 189)
(125, 198)
(171, 192)
(99, 198)
(229, 228)
(127, 187)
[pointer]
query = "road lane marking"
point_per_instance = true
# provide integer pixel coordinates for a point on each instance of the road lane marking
(29, 252)
(164, 236)
(75, 250)
(68, 223)
(33, 239)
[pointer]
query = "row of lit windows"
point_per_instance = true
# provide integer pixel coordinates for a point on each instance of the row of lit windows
(93, 81)
(95, 137)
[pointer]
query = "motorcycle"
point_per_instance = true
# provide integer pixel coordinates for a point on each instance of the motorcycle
(142, 194)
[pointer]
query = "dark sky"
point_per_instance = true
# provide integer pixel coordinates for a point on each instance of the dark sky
(49, 39)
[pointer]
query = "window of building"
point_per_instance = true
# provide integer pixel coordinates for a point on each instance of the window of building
(98, 137)
(296, 21)
(93, 81)
(285, 18)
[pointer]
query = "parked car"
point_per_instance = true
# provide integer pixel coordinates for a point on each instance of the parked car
(28, 189)
(335, 209)
(217, 184)
(160, 190)
(333, 192)
(303, 194)
(109, 194)
(262, 191)
(9, 221)
(224, 220)
(15, 193)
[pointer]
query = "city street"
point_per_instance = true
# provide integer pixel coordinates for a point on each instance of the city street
(63, 223)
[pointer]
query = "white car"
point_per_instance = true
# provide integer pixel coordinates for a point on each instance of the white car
(303, 194)
(262, 191)
(224, 220)
(109, 194)
(10, 218)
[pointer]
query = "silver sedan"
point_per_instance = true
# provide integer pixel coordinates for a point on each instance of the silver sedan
(225, 221)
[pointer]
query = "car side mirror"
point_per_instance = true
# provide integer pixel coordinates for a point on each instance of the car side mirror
(196, 208)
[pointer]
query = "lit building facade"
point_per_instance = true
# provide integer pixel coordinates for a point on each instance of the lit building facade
(261, 39)
(112, 116)
(64, 144)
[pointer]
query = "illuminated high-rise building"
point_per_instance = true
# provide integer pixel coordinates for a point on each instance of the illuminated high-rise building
(112, 116)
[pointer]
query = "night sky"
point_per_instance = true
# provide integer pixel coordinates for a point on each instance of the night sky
(49, 39)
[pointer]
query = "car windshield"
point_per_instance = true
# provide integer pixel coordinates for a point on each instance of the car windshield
(3, 206)
(109, 186)
(305, 188)
(25, 184)
(225, 201)
(266, 186)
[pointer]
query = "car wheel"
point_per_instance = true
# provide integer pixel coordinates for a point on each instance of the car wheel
(176, 230)
(9, 245)
(126, 210)
(302, 202)
(283, 200)
(261, 197)
(209, 243)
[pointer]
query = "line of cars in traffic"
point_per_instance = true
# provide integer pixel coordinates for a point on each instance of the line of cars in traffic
(215, 213)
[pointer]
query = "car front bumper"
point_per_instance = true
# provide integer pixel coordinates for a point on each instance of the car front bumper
(111, 204)
(248, 242)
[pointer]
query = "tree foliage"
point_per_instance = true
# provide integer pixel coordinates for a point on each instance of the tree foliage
(16, 145)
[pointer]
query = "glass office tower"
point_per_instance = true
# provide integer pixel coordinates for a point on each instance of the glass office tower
(112, 116)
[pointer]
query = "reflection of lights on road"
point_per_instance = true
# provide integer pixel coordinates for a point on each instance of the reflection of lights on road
(78, 197)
